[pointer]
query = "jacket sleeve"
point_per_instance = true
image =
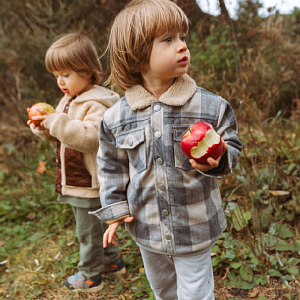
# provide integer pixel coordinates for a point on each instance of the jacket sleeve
(113, 175)
(43, 133)
(80, 135)
(227, 128)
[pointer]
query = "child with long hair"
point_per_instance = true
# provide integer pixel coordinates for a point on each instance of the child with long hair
(171, 205)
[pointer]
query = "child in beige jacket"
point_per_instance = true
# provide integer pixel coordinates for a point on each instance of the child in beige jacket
(74, 62)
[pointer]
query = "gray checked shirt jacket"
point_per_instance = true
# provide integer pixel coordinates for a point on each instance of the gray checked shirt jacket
(144, 173)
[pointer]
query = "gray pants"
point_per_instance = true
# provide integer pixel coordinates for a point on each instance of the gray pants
(90, 235)
(180, 277)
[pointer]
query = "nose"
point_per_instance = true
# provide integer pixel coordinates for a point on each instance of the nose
(59, 80)
(182, 46)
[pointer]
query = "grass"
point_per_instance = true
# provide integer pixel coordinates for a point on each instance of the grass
(257, 257)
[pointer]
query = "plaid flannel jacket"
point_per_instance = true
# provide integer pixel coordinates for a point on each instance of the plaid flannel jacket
(144, 173)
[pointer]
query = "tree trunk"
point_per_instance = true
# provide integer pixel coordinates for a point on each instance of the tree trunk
(224, 11)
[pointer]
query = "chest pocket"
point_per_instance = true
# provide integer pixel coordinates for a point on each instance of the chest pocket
(133, 143)
(181, 160)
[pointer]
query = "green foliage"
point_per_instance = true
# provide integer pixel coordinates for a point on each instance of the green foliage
(251, 62)
(216, 56)
(250, 59)
(261, 200)
(27, 29)
(263, 208)
(38, 236)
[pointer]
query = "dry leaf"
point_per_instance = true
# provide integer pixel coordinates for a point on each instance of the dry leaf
(228, 295)
(31, 216)
(41, 167)
(279, 193)
(254, 293)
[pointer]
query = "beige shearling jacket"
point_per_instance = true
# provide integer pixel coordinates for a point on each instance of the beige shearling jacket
(75, 126)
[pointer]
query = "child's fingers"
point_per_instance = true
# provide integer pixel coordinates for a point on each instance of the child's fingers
(105, 238)
(43, 111)
(110, 235)
(213, 163)
(42, 124)
(114, 240)
(29, 122)
(199, 167)
(112, 232)
(225, 146)
(204, 168)
(39, 118)
(129, 219)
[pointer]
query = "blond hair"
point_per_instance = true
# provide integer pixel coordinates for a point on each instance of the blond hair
(132, 34)
(74, 52)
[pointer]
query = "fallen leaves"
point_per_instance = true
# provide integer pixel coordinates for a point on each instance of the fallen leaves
(279, 193)
(41, 167)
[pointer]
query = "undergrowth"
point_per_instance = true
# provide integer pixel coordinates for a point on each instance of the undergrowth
(255, 66)
(260, 247)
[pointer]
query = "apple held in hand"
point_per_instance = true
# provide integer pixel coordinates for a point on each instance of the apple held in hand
(201, 142)
(34, 111)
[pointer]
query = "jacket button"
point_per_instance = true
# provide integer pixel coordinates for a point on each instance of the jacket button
(159, 161)
(165, 212)
(67, 107)
(157, 107)
(130, 142)
(58, 186)
(162, 187)
(157, 134)
(168, 237)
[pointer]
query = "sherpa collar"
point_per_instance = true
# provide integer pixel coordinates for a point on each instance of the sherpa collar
(178, 94)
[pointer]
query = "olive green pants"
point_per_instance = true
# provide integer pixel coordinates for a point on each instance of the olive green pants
(90, 231)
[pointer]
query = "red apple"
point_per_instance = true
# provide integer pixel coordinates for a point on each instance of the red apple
(33, 111)
(201, 142)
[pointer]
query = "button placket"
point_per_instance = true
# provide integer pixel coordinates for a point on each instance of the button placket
(157, 126)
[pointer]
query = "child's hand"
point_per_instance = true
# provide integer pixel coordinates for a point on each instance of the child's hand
(212, 163)
(39, 118)
(110, 235)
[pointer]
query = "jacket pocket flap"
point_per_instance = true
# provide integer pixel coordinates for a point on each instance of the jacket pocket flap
(179, 132)
(130, 140)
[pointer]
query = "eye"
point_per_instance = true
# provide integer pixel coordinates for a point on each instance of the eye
(168, 39)
(183, 38)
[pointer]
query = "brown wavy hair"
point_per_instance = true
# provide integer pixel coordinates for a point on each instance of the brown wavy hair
(75, 52)
(132, 34)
